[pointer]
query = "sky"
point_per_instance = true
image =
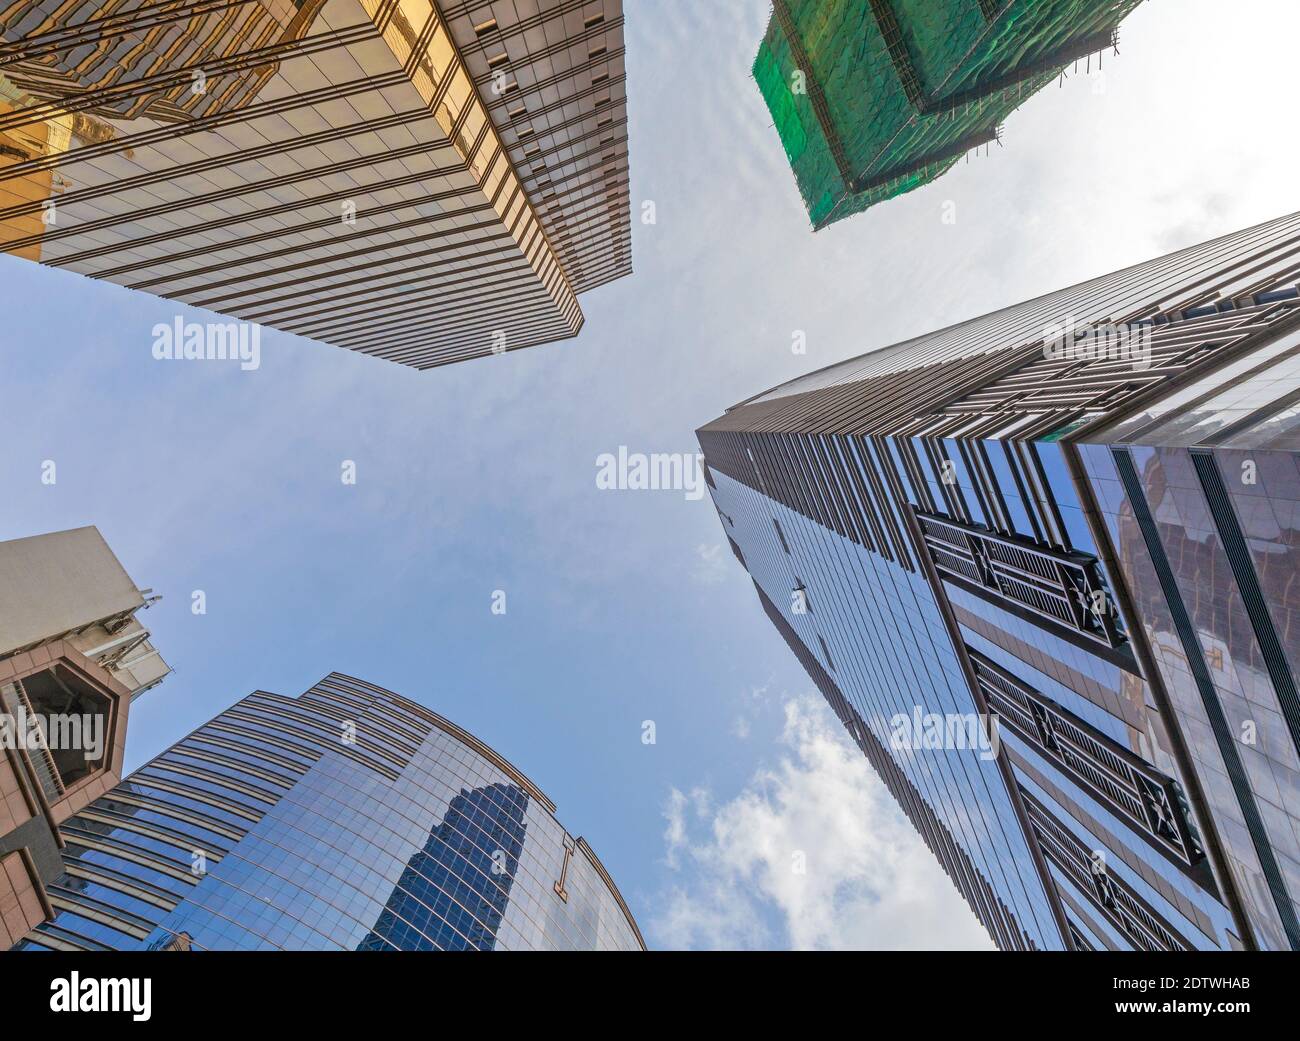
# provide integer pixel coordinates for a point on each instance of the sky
(622, 606)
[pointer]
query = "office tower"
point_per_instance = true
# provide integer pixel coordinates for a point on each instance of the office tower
(1042, 566)
(426, 182)
(346, 818)
(73, 655)
(873, 98)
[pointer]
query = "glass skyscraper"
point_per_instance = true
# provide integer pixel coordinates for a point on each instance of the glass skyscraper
(424, 181)
(1042, 566)
(348, 818)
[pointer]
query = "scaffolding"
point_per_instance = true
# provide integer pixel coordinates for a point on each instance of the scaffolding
(874, 98)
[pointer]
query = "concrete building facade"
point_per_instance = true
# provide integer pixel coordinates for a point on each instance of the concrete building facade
(73, 655)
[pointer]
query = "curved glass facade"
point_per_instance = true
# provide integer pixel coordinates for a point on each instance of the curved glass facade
(348, 818)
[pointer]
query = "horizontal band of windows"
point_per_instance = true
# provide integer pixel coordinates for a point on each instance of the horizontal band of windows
(68, 932)
(493, 239)
(255, 735)
(325, 746)
(423, 340)
(511, 320)
(137, 874)
(176, 173)
(132, 887)
(133, 855)
(267, 302)
(596, 144)
(91, 835)
(325, 227)
(575, 51)
(271, 110)
(368, 721)
(261, 54)
(111, 899)
(139, 216)
(227, 221)
(536, 108)
(127, 877)
(157, 803)
(244, 750)
(104, 901)
(306, 726)
(172, 174)
(85, 910)
(49, 937)
(180, 840)
(506, 275)
(218, 756)
(169, 768)
(395, 715)
(201, 795)
(358, 738)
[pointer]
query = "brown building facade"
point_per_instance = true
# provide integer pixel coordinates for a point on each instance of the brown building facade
(65, 698)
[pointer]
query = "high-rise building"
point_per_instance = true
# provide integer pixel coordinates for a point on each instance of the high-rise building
(1042, 566)
(423, 181)
(346, 818)
(72, 657)
(873, 98)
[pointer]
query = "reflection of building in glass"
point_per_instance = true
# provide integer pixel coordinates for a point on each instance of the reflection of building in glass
(172, 942)
(1079, 517)
(474, 853)
(346, 817)
(873, 98)
(72, 657)
(401, 177)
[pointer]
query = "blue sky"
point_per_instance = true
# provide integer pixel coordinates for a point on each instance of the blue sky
(622, 606)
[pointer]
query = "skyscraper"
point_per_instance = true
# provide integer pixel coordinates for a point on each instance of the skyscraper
(73, 655)
(427, 182)
(873, 98)
(1042, 566)
(346, 818)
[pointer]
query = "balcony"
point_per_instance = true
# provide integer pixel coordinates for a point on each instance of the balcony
(1060, 585)
(1149, 801)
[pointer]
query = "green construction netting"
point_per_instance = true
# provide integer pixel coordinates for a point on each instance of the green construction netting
(947, 47)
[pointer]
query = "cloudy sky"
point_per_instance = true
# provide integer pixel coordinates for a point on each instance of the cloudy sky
(750, 821)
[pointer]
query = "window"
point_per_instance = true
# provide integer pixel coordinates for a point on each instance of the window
(826, 652)
(780, 534)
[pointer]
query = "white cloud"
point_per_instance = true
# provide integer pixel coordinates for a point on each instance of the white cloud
(675, 835)
(868, 882)
(711, 564)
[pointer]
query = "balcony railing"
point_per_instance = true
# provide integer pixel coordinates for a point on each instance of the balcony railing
(14, 698)
(1110, 895)
(1150, 801)
(1063, 586)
